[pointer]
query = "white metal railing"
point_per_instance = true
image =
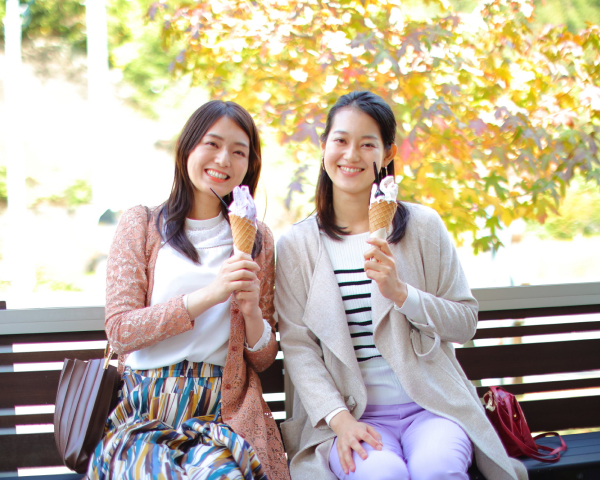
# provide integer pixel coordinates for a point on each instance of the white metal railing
(537, 296)
(47, 320)
(73, 319)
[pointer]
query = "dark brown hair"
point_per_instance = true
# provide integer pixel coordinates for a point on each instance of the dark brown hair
(378, 110)
(181, 200)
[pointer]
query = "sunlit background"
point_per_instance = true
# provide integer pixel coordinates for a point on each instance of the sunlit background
(89, 115)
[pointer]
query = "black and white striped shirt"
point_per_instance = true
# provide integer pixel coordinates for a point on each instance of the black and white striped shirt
(383, 386)
(356, 294)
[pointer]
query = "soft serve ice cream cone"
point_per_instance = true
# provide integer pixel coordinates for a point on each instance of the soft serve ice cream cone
(242, 216)
(382, 207)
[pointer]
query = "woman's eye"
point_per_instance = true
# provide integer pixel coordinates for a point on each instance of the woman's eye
(370, 145)
(212, 144)
(243, 154)
(339, 140)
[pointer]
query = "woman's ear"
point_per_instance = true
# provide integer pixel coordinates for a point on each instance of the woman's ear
(390, 154)
(322, 148)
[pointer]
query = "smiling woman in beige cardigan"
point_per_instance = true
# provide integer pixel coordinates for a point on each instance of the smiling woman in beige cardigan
(367, 327)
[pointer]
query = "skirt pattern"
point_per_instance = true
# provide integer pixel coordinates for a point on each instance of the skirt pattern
(168, 425)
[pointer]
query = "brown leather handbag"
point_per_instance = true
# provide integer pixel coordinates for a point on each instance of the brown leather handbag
(87, 393)
(505, 414)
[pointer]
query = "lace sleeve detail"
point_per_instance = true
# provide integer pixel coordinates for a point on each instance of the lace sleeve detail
(267, 274)
(131, 325)
(263, 358)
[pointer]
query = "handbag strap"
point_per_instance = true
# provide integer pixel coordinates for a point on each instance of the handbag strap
(544, 457)
(108, 353)
(562, 448)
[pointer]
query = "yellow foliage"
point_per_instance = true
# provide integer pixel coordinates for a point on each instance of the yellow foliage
(494, 118)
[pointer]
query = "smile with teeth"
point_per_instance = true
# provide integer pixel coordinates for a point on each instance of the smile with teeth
(343, 168)
(216, 174)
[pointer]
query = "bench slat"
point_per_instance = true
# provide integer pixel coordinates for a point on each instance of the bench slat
(562, 413)
(9, 421)
(60, 476)
(277, 406)
(52, 337)
(39, 388)
(52, 356)
(537, 312)
(272, 379)
(28, 388)
(31, 450)
(529, 359)
(520, 389)
(536, 330)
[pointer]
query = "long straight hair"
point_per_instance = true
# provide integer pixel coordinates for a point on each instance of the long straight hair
(378, 110)
(181, 200)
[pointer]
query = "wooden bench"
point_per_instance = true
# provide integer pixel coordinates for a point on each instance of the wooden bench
(552, 365)
(507, 354)
(30, 364)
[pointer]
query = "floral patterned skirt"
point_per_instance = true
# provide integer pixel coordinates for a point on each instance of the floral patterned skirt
(168, 425)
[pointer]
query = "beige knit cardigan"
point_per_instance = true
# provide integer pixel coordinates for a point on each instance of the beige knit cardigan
(321, 362)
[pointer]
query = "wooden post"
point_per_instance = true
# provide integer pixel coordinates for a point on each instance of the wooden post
(19, 268)
(98, 96)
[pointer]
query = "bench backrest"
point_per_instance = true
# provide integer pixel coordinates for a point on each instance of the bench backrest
(552, 363)
(554, 367)
(30, 366)
(27, 395)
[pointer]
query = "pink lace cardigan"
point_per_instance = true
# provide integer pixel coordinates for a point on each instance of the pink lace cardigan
(131, 325)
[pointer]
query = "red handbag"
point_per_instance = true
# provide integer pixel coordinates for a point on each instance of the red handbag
(506, 416)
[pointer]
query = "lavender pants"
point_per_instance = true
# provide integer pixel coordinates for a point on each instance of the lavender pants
(417, 445)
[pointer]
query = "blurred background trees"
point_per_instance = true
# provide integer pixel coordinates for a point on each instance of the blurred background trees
(497, 112)
(137, 57)
(498, 116)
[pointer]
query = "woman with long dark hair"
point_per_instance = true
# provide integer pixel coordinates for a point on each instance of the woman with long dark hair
(367, 325)
(192, 323)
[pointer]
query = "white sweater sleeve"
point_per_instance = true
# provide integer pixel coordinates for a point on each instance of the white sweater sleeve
(263, 341)
(411, 308)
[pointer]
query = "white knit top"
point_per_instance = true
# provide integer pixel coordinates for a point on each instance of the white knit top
(175, 274)
(383, 386)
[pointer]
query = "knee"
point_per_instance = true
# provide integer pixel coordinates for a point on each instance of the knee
(438, 471)
(381, 465)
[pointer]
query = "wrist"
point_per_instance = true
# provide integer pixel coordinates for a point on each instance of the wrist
(340, 419)
(254, 316)
(401, 294)
(200, 301)
(208, 294)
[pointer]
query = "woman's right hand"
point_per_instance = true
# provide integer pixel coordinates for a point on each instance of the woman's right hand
(238, 272)
(350, 433)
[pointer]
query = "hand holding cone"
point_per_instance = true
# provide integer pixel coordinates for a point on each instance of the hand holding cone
(383, 205)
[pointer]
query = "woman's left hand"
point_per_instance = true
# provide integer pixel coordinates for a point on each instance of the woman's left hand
(247, 299)
(380, 266)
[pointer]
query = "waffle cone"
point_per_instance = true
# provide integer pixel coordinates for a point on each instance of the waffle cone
(244, 231)
(381, 215)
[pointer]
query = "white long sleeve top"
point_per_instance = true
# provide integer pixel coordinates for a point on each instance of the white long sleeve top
(175, 274)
